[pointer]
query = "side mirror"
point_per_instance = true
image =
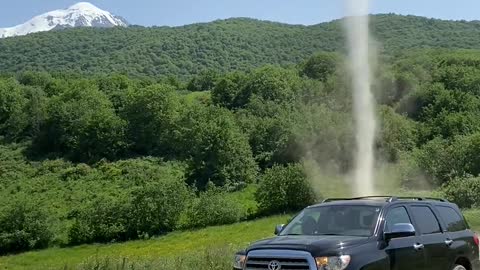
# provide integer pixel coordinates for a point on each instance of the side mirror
(279, 228)
(399, 230)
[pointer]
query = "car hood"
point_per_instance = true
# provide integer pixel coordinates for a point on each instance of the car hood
(319, 245)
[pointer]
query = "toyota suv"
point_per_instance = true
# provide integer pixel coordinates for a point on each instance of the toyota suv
(369, 233)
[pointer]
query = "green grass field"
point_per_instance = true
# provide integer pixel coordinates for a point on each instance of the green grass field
(209, 242)
(210, 248)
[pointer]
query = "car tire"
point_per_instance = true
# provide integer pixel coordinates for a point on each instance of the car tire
(459, 267)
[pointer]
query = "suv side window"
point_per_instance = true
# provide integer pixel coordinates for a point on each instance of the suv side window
(395, 216)
(425, 219)
(452, 219)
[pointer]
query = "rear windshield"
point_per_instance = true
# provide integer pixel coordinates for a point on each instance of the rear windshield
(347, 220)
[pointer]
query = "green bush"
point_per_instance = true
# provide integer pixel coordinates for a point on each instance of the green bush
(283, 189)
(213, 207)
(156, 207)
(465, 192)
(23, 226)
(102, 219)
(397, 134)
(126, 200)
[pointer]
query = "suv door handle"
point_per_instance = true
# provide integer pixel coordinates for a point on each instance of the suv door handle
(418, 246)
(448, 242)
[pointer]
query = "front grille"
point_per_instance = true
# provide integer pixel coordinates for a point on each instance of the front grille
(261, 263)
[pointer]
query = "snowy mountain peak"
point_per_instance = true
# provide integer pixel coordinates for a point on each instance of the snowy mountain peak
(82, 14)
(84, 6)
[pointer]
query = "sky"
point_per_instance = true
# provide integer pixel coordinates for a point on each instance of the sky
(181, 12)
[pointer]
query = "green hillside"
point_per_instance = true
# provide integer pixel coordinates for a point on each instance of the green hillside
(88, 157)
(233, 44)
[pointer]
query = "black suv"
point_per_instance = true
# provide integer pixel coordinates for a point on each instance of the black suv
(369, 233)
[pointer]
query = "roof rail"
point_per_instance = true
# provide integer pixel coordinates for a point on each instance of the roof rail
(422, 199)
(387, 198)
(356, 198)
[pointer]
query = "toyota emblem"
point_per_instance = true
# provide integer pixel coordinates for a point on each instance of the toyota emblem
(274, 265)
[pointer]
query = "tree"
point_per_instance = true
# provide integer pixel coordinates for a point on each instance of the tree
(320, 66)
(215, 146)
(82, 125)
(269, 83)
(35, 110)
(116, 87)
(227, 89)
(13, 120)
(152, 114)
(205, 81)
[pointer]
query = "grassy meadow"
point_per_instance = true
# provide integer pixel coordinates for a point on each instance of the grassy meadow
(209, 248)
(184, 248)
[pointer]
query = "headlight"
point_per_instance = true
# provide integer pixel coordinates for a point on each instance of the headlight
(332, 263)
(239, 262)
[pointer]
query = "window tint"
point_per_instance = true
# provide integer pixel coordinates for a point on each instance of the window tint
(354, 220)
(426, 221)
(395, 216)
(452, 219)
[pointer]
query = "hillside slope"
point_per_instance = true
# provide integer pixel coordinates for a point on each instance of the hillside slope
(234, 44)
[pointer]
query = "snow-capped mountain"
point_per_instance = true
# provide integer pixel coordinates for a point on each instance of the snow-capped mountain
(82, 14)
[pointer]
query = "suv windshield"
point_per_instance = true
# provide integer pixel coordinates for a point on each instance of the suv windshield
(348, 220)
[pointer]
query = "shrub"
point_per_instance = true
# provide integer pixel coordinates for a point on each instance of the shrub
(445, 160)
(23, 226)
(102, 219)
(283, 189)
(126, 200)
(213, 207)
(435, 160)
(465, 192)
(397, 134)
(156, 207)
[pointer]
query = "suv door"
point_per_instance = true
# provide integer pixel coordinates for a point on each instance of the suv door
(459, 238)
(400, 251)
(432, 237)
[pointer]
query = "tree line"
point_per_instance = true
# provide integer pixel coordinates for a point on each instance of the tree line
(222, 46)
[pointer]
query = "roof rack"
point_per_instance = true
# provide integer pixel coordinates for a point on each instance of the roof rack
(420, 199)
(387, 198)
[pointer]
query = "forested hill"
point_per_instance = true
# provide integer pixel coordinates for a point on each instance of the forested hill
(233, 44)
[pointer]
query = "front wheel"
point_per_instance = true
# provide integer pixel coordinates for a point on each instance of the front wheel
(459, 267)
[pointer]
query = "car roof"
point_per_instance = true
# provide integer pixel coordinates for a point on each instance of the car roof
(382, 201)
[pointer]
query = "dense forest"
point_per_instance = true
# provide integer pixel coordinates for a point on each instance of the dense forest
(222, 46)
(105, 156)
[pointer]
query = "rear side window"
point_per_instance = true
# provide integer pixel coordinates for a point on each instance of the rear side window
(395, 216)
(426, 221)
(452, 219)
